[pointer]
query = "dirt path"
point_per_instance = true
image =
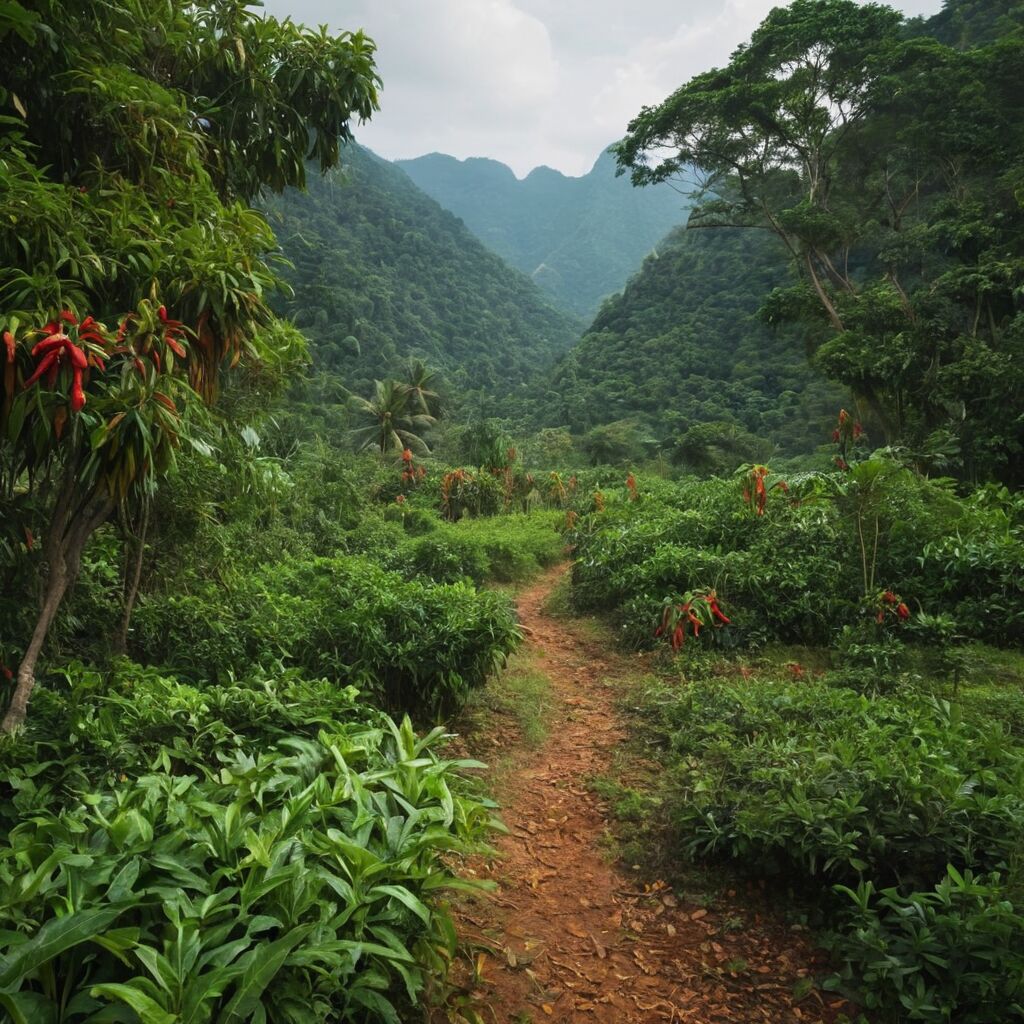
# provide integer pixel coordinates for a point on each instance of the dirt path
(569, 936)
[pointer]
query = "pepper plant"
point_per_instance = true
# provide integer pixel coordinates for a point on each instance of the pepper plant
(133, 272)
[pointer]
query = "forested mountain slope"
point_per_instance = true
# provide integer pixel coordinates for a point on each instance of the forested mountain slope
(383, 272)
(579, 238)
(680, 346)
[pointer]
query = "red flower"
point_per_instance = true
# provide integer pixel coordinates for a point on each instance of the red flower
(902, 611)
(400, 499)
(890, 598)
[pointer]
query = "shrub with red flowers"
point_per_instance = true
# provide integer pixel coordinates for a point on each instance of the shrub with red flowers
(889, 609)
(412, 475)
(687, 616)
(755, 490)
(846, 434)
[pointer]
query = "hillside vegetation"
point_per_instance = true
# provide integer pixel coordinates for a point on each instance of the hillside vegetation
(681, 349)
(382, 272)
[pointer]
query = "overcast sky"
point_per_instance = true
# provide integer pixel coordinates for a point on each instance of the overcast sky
(532, 82)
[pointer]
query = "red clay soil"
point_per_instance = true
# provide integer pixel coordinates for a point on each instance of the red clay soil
(569, 935)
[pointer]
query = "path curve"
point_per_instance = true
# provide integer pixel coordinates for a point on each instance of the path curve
(569, 936)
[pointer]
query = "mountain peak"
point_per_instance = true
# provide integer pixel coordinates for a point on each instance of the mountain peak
(588, 233)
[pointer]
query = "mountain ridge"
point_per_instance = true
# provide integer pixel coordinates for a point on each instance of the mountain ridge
(580, 238)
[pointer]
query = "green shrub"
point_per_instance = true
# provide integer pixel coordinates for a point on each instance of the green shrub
(447, 557)
(407, 644)
(951, 954)
(288, 883)
(850, 794)
(825, 781)
(795, 574)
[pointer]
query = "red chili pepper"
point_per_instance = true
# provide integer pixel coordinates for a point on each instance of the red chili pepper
(717, 612)
(49, 343)
(139, 366)
(174, 346)
(678, 637)
(68, 317)
(9, 344)
(77, 394)
(48, 362)
(77, 356)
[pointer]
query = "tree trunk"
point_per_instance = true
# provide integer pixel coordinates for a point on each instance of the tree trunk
(132, 591)
(62, 551)
(56, 587)
(823, 298)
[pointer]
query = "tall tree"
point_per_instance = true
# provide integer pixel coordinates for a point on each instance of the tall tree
(887, 165)
(390, 420)
(132, 269)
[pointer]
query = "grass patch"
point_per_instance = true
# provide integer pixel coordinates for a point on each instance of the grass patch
(515, 707)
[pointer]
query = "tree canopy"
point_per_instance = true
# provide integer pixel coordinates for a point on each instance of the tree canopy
(890, 166)
(133, 272)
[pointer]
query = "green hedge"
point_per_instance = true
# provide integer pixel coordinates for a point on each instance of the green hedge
(406, 644)
(907, 814)
(179, 855)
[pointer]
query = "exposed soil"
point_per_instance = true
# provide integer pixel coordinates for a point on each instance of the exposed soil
(570, 935)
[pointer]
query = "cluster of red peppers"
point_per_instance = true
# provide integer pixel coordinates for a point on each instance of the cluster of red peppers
(892, 607)
(83, 346)
(755, 491)
(451, 484)
(56, 350)
(846, 433)
(411, 473)
(695, 612)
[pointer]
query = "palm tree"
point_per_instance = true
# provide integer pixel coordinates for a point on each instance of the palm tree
(390, 422)
(420, 381)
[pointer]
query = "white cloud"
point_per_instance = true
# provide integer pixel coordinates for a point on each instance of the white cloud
(532, 82)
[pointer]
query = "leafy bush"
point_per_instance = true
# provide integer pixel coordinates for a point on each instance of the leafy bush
(264, 850)
(829, 782)
(447, 557)
(954, 953)
(902, 793)
(795, 573)
(407, 644)
(287, 884)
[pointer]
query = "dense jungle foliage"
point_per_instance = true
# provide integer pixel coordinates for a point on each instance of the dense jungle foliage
(681, 352)
(579, 239)
(891, 167)
(382, 273)
(251, 566)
